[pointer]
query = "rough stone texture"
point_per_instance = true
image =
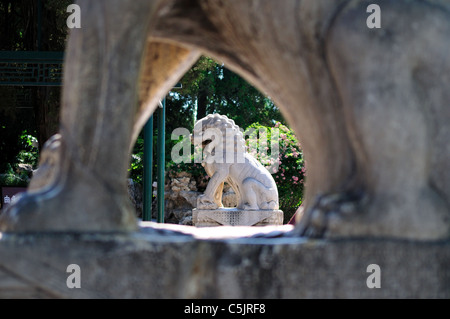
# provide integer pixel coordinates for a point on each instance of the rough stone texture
(185, 262)
(229, 198)
(236, 217)
(181, 197)
(135, 196)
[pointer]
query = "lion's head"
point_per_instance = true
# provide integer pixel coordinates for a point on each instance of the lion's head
(214, 129)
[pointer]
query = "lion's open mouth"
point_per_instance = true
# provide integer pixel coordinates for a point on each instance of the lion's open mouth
(205, 143)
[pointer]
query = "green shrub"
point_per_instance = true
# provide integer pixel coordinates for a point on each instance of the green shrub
(13, 179)
(195, 169)
(287, 167)
(28, 154)
(136, 169)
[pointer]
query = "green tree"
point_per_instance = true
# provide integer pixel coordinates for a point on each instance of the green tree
(198, 86)
(237, 99)
(209, 87)
(22, 30)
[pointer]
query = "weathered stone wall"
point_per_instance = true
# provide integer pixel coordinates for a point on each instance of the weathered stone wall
(172, 261)
(181, 197)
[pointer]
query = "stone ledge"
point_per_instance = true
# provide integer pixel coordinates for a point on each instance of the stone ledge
(163, 262)
(236, 217)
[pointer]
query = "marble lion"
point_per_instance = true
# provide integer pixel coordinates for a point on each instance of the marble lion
(226, 160)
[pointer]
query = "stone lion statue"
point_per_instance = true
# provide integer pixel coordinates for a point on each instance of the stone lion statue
(226, 160)
(370, 107)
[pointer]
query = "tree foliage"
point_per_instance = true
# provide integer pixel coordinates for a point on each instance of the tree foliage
(209, 87)
(287, 166)
(34, 110)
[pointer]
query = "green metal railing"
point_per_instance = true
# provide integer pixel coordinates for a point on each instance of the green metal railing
(148, 165)
(31, 68)
(148, 171)
(161, 160)
(37, 68)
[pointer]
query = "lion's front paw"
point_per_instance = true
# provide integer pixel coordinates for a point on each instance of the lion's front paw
(204, 202)
(327, 210)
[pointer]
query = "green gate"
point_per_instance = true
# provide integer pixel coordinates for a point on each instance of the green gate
(31, 68)
(40, 68)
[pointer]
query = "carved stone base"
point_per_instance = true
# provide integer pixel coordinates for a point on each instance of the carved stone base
(236, 217)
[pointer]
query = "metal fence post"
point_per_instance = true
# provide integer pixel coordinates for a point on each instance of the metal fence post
(161, 160)
(148, 170)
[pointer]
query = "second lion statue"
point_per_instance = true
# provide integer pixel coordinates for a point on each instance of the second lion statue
(226, 160)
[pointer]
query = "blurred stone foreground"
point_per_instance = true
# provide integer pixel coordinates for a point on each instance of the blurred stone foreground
(174, 261)
(180, 261)
(378, 100)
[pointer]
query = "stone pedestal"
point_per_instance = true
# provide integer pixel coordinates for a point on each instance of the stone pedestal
(236, 217)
